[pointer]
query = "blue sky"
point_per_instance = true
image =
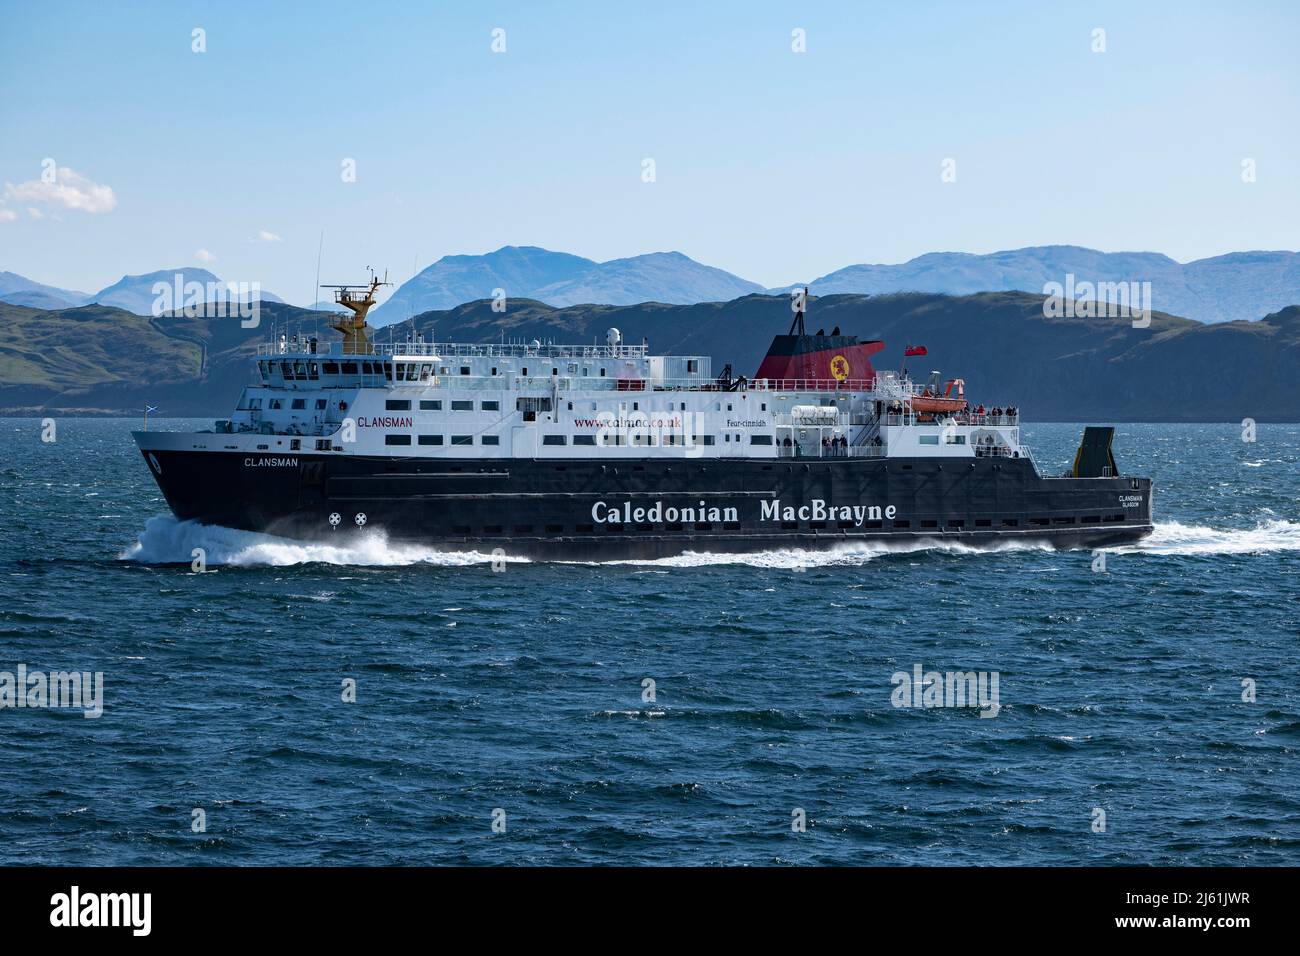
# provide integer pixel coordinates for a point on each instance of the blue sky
(778, 166)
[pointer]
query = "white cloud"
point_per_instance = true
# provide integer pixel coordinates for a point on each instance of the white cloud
(204, 256)
(35, 213)
(7, 215)
(265, 236)
(70, 190)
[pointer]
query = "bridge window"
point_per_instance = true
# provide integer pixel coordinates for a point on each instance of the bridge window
(330, 368)
(760, 439)
(320, 404)
(299, 403)
(349, 368)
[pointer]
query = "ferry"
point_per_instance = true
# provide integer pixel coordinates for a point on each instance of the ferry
(606, 452)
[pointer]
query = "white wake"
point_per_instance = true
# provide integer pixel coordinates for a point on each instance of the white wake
(168, 541)
(1177, 539)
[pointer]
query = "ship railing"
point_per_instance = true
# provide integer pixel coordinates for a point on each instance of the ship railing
(303, 345)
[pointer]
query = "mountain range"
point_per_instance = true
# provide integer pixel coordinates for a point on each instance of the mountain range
(1001, 343)
(560, 279)
(133, 293)
(1239, 285)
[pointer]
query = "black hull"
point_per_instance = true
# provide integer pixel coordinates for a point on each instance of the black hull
(544, 508)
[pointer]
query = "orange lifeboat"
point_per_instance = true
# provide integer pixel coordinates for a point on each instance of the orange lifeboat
(930, 403)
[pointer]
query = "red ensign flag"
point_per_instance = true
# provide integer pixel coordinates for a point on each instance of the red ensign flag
(914, 350)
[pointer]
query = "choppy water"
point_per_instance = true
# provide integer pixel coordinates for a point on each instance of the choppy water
(521, 690)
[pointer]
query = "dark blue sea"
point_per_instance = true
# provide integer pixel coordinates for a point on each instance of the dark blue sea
(516, 696)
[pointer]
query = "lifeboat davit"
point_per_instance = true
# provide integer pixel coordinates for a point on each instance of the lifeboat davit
(947, 403)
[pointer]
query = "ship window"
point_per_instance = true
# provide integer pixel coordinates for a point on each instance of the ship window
(430, 439)
(349, 368)
(494, 369)
(330, 368)
(956, 439)
(397, 405)
(902, 523)
(524, 370)
(929, 439)
(584, 528)
(409, 372)
(388, 369)
(762, 407)
(584, 439)
(462, 405)
(299, 369)
(523, 529)
(426, 370)
(464, 370)
(1010, 522)
(726, 437)
(1065, 520)
(789, 526)
(1090, 519)
(703, 526)
(299, 403)
(929, 524)
(555, 371)
(430, 406)
(491, 406)
(692, 365)
(295, 444)
(1040, 521)
(462, 439)
(286, 370)
(553, 440)
(602, 373)
(1114, 518)
(314, 370)
(397, 439)
(491, 439)
(760, 439)
(276, 403)
(367, 368)
(460, 529)
(709, 439)
(874, 524)
(956, 523)
(492, 529)
(983, 523)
